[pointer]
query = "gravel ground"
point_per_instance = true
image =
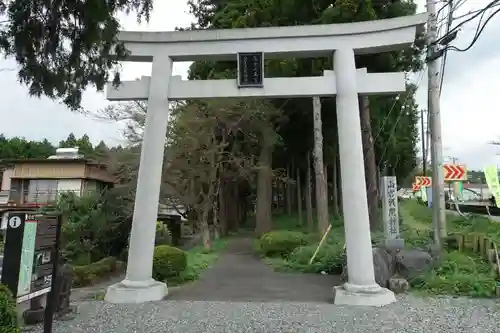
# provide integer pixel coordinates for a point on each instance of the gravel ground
(409, 314)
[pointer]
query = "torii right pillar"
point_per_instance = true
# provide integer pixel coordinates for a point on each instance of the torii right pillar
(361, 288)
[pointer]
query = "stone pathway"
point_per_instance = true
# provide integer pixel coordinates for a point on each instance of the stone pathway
(240, 276)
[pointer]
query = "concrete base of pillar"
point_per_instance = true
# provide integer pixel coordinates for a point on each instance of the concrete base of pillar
(372, 296)
(136, 292)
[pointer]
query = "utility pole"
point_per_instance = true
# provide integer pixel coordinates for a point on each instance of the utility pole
(424, 153)
(438, 200)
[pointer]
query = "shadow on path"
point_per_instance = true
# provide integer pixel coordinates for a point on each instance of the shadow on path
(240, 276)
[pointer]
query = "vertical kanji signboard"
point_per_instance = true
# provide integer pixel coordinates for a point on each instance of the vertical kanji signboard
(390, 207)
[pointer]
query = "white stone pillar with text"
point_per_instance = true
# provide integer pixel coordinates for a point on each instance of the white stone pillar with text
(138, 285)
(361, 288)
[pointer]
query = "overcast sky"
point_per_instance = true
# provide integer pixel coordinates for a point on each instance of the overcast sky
(468, 103)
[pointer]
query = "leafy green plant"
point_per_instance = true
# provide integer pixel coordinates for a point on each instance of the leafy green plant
(8, 314)
(163, 235)
(95, 226)
(168, 261)
(459, 274)
(199, 259)
(89, 274)
(281, 242)
(329, 259)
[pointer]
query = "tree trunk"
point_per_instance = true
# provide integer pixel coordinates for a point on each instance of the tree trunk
(288, 192)
(222, 207)
(335, 189)
(340, 195)
(215, 210)
(325, 172)
(369, 161)
(299, 197)
(321, 195)
(264, 195)
(309, 209)
(205, 231)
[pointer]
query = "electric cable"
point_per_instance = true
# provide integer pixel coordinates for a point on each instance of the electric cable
(399, 117)
(478, 33)
(458, 26)
(443, 63)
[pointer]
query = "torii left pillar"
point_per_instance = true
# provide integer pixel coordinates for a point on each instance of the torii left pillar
(139, 285)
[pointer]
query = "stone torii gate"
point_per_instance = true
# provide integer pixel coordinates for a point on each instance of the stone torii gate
(343, 42)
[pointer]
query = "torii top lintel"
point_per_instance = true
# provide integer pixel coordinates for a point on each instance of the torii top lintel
(276, 42)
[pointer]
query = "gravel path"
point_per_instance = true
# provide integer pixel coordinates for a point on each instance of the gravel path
(410, 314)
(241, 294)
(240, 276)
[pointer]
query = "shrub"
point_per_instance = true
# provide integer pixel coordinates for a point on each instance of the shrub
(281, 243)
(89, 274)
(95, 225)
(8, 313)
(168, 261)
(163, 235)
(329, 259)
(459, 274)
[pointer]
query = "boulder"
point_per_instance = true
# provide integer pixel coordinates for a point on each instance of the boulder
(398, 284)
(403, 264)
(411, 262)
(383, 265)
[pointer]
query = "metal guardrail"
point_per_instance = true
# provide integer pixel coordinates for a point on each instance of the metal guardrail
(473, 209)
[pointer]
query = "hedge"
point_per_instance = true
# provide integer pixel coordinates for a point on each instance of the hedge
(8, 312)
(168, 261)
(281, 242)
(90, 274)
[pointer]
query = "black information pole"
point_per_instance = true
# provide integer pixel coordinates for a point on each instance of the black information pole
(251, 70)
(50, 306)
(30, 266)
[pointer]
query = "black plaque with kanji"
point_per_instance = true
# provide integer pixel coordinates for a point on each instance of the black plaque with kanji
(250, 70)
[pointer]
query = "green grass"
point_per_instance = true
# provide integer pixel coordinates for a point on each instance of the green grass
(459, 273)
(328, 257)
(199, 259)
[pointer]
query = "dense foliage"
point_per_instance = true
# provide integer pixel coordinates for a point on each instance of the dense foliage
(8, 313)
(20, 148)
(63, 47)
(96, 225)
(281, 243)
(394, 121)
(168, 262)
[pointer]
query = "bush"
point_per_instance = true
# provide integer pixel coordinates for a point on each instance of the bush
(163, 235)
(168, 261)
(89, 274)
(8, 313)
(329, 259)
(96, 225)
(281, 243)
(460, 275)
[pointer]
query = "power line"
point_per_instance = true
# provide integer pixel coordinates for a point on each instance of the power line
(448, 27)
(458, 26)
(479, 31)
(399, 117)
